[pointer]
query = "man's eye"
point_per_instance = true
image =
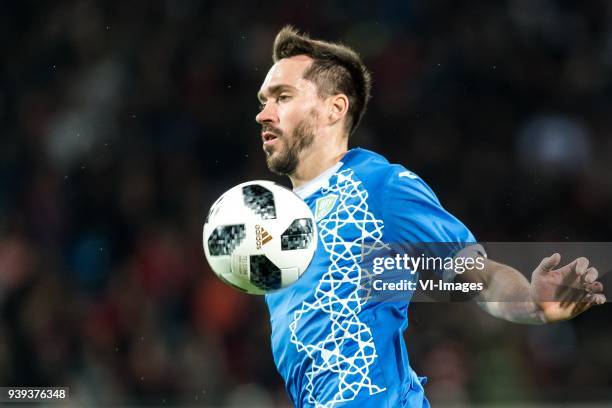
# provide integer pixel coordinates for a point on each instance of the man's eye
(283, 98)
(262, 106)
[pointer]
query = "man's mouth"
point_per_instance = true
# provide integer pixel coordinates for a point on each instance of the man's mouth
(268, 138)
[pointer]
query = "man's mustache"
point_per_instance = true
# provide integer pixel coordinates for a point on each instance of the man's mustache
(271, 129)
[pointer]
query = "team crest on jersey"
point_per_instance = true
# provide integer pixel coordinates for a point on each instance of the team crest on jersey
(324, 206)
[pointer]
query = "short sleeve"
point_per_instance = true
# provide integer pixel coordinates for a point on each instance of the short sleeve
(414, 217)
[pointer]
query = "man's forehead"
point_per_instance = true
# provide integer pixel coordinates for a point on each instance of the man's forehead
(287, 71)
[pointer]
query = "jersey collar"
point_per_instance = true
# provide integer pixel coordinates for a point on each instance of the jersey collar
(322, 180)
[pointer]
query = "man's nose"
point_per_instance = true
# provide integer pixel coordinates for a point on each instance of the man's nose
(266, 115)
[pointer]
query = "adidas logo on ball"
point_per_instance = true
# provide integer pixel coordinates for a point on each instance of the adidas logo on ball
(262, 237)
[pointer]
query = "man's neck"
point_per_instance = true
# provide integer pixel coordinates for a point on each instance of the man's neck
(315, 163)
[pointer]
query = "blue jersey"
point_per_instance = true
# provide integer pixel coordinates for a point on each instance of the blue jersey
(331, 346)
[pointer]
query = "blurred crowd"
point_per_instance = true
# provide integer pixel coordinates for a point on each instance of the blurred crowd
(122, 121)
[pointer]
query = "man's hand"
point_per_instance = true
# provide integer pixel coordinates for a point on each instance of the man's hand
(565, 292)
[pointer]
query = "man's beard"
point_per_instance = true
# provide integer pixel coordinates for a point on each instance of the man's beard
(286, 161)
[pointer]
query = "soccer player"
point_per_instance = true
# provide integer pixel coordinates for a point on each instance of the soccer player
(332, 348)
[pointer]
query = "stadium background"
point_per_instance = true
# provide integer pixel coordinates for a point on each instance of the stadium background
(121, 122)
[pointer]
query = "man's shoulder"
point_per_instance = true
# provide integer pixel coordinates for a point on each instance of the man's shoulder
(378, 173)
(363, 158)
(367, 165)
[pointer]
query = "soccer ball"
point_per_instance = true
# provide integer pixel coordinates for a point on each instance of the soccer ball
(259, 237)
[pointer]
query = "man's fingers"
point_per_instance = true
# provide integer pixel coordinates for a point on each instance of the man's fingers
(595, 287)
(590, 275)
(571, 295)
(578, 308)
(580, 265)
(599, 298)
(548, 264)
(596, 298)
(586, 303)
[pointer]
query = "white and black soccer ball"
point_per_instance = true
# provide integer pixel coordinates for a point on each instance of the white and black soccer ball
(259, 237)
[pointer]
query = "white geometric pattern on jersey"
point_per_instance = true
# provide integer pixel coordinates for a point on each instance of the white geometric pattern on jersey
(348, 350)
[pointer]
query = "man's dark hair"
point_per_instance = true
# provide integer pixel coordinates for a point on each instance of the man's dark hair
(336, 69)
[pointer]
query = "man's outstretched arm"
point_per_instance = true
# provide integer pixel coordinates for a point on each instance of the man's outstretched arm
(552, 295)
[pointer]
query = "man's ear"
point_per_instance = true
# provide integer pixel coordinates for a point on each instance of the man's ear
(337, 107)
